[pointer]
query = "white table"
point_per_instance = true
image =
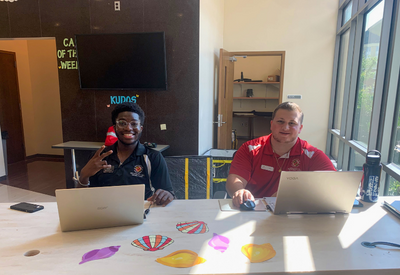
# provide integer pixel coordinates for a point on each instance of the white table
(14, 194)
(92, 146)
(318, 244)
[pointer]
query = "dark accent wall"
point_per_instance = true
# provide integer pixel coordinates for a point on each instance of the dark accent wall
(85, 115)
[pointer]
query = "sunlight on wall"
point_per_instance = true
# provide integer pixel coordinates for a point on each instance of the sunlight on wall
(210, 41)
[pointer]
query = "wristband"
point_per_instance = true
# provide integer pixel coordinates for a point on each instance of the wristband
(85, 185)
(77, 181)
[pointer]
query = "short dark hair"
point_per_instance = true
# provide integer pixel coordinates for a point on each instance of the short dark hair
(290, 106)
(127, 107)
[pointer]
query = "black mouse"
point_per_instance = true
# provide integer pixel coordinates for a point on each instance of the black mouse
(248, 205)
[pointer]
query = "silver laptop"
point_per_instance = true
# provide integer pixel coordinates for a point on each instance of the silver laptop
(99, 207)
(315, 192)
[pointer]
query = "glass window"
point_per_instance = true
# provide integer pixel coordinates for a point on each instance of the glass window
(394, 187)
(367, 73)
(356, 161)
(361, 3)
(344, 49)
(347, 13)
(335, 148)
(396, 140)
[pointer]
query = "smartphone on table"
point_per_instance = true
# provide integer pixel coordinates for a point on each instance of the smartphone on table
(27, 207)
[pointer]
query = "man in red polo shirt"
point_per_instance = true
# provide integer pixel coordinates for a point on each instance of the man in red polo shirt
(257, 166)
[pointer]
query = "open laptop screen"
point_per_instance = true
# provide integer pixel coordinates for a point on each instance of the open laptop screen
(317, 191)
(99, 207)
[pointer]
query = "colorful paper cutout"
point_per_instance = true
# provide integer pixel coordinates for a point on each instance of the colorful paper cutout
(194, 227)
(153, 242)
(181, 258)
(98, 254)
(258, 253)
(219, 242)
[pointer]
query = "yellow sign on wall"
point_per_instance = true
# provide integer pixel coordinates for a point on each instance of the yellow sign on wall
(67, 56)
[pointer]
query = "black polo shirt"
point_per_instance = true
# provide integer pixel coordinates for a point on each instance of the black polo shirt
(134, 170)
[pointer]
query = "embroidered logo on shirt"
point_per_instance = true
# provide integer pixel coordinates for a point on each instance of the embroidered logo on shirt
(295, 163)
(137, 171)
(138, 168)
(308, 153)
(268, 168)
(252, 147)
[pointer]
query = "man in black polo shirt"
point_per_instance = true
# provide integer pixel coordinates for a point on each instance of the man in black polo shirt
(127, 161)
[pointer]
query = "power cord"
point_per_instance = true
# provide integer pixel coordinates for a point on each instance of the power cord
(374, 244)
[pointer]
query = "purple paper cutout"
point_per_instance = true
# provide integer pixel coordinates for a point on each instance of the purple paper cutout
(219, 242)
(98, 254)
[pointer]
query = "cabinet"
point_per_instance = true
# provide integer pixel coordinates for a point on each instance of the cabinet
(259, 93)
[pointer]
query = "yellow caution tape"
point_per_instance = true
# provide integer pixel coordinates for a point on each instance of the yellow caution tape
(186, 178)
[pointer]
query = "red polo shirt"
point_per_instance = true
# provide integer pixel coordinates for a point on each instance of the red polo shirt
(255, 162)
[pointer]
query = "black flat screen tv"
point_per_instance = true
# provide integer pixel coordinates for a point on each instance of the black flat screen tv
(129, 61)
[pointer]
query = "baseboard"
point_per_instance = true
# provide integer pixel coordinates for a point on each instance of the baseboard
(3, 178)
(45, 157)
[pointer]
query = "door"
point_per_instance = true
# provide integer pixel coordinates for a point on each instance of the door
(225, 100)
(10, 107)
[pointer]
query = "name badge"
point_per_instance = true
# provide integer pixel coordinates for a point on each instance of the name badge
(268, 168)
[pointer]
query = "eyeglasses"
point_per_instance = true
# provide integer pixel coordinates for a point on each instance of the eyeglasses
(123, 124)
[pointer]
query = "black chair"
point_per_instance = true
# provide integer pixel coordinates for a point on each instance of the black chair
(222, 194)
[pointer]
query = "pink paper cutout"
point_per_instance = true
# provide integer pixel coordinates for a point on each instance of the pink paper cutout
(219, 242)
(98, 254)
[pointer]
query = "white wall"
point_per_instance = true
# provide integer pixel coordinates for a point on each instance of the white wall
(211, 40)
(305, 30)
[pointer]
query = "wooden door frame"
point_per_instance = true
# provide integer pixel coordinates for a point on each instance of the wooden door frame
(13, 54)
(225, 100)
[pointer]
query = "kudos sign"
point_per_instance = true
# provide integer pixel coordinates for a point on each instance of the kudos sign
(122, 99)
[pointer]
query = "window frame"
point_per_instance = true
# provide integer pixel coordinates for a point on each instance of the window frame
(387, 85)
